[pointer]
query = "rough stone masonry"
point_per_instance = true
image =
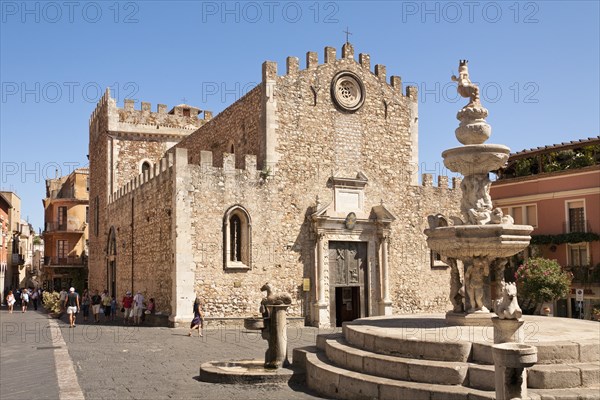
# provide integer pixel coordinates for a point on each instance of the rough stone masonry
(308, 182)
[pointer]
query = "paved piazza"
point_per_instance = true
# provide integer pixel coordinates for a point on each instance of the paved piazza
(112, 361)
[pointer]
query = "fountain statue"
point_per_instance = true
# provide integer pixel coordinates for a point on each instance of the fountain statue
(482, 237)
(275, 368)
(274, 309)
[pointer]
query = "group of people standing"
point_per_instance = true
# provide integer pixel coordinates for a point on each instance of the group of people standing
(23, 297)
(132, 307)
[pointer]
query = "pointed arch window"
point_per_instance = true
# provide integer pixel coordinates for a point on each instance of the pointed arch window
(237, 238)
(145, 167)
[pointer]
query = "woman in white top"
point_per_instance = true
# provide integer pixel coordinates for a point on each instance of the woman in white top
(10, 300)
(25, 299)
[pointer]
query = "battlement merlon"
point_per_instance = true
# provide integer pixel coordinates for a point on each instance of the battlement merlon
(330, 56)
(442, 182)
(176, 159)
(176, 124)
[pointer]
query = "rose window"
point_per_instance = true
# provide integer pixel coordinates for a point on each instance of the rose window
(348, 91)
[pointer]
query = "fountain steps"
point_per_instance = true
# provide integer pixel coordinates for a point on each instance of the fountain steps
(478, 376)
(445, 345)
(341, 369)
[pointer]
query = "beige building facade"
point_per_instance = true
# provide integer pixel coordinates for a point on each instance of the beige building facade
(308, 182)
(66, 213)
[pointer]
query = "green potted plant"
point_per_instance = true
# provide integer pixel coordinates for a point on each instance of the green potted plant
(542, 280)
(51, 302)
(596, 312)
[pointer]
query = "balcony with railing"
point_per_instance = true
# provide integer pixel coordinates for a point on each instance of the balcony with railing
(585, 274)
(67, 261)
(56, 226)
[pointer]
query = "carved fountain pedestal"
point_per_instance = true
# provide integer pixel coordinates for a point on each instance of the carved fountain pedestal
(482, 236)
(275, 368)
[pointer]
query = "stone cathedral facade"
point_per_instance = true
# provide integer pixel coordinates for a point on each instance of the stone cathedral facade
(308, 182)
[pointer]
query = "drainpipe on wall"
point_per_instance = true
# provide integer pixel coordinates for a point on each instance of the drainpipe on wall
(132, 247)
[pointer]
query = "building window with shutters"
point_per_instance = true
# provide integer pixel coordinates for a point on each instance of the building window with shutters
(237, 237)
(576, 216)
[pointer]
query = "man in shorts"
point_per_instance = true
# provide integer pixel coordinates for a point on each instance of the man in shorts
(96, 299)
(138, 307)
(127, 306)
(72, 306)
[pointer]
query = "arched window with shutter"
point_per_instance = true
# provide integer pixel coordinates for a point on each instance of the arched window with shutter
(237, 238)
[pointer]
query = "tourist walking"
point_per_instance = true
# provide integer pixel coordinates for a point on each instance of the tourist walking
(127, 304)
(24, 300)
(138, 307)
(106, 300)
(10, 300)
(62, 297)
(198, 321)
(72, 306)
(96, 299)
(34, 299)
(85, 304)
(113, 308)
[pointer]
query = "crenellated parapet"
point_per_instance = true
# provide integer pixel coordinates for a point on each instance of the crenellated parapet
(101, 106)
(442, 182)
(175, 124)
(163, 170)
(330, 57)
(159, 172)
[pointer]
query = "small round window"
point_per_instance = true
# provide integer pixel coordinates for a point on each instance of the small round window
(347, 91)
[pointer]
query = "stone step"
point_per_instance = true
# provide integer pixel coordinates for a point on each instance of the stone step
(339, 383)
(542, 376)
(344, 356)
(481, 377)
(327, 379)
(563, 376)
(380, 342)
(565, 394)
(478, 376)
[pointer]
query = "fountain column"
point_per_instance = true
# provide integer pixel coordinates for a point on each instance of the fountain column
(482, 234)
(321, 306)
(386, 303)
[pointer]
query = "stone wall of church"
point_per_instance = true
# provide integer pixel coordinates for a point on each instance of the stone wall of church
(312, 140)
(141, 215)
(98, 153)
(129, 155)
(276, 252)
(120, 139)
(238, 126)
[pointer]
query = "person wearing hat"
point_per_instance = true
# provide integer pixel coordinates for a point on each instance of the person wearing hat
(127, 303)
(138, 307)
(72, 306)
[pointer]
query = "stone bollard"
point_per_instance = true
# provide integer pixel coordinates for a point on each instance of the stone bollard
(508, 330)
(276, 355)
(510, 363)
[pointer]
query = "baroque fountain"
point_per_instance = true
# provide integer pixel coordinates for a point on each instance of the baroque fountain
(481, 238)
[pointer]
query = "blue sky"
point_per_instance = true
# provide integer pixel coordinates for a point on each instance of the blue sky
(537, 63)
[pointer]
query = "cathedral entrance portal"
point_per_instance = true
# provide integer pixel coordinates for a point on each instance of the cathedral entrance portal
(348, 278)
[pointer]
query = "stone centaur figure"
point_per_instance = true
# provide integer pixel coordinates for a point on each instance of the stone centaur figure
(272, 299)
(507, 307)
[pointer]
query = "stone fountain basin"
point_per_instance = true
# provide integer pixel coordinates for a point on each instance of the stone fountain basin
(494, 240)
(254, 323)
(514, 355)
(476, 158)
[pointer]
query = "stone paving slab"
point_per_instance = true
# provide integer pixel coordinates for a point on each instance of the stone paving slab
(127, 362)
(27, 365)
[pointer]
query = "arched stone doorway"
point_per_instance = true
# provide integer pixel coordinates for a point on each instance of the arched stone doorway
(111, 263)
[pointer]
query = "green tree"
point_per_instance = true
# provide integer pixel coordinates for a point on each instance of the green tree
(541, 280)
